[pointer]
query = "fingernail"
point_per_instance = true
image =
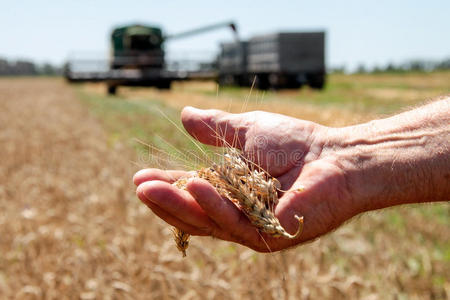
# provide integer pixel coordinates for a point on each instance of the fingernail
(142, 193)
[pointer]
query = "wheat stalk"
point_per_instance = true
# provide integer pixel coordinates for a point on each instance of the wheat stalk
(249, 187)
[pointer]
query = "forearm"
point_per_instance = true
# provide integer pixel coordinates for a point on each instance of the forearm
(398, 160)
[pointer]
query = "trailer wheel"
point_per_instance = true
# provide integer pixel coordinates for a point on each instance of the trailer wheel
(262, 82)
(316, 81)
(112, 89)
(164, 85)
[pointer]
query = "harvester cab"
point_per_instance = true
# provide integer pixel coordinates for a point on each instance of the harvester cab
(137, 46)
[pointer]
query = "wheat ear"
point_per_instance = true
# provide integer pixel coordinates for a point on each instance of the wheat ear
(251, 189)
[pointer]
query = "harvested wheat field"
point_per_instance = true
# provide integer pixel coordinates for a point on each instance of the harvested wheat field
(71, 226)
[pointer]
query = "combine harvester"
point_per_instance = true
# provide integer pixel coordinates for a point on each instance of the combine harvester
(138, 59)
(282, 60)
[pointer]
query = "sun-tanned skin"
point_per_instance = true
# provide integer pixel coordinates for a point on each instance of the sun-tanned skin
(345, 171)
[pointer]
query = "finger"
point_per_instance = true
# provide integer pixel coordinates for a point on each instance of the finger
(157, 174)
(233, 223)
(175, 202)
(214, 126)
(174, 221)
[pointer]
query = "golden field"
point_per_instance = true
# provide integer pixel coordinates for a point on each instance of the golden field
(71, 226)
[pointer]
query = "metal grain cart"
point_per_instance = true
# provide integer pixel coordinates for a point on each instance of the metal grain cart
(279, 60)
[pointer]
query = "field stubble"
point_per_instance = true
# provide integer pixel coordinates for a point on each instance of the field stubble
(71, 227)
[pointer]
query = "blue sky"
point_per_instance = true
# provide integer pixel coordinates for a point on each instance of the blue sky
(369, 32)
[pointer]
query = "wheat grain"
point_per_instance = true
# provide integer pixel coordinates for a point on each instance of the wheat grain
(249, 187)
(181, 239)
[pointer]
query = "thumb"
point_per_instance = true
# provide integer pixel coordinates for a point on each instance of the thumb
(215, 127)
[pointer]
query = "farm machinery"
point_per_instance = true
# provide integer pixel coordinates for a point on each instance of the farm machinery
(138, 58)
(279, 60)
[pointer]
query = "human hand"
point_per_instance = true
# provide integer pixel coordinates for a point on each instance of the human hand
(289, 149)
